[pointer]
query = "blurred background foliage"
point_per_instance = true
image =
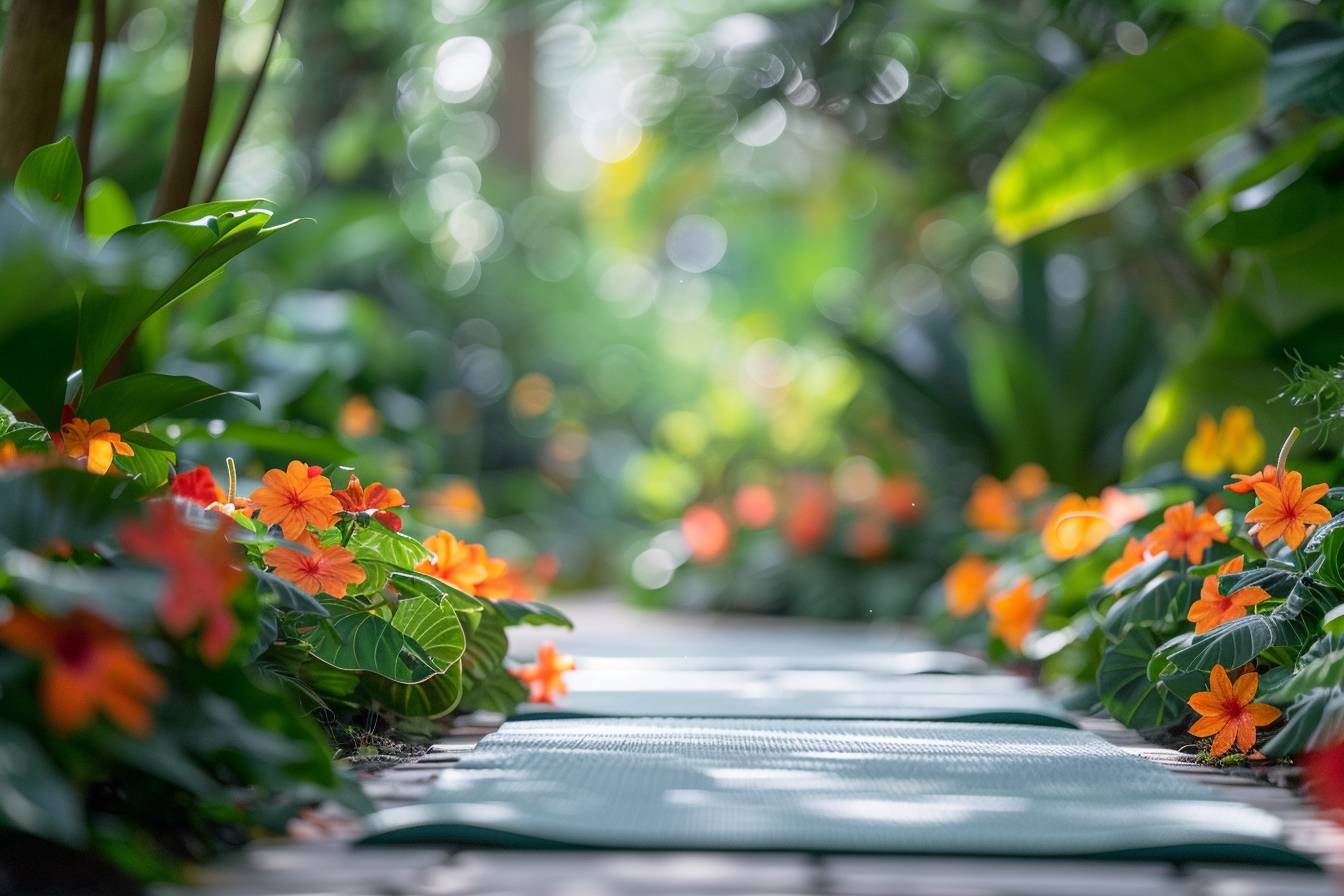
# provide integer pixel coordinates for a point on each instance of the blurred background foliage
(576, 268)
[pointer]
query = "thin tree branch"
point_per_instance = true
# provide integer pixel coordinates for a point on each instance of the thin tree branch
(38, 35)
(241, 123)
(88, 110)
(184, 157)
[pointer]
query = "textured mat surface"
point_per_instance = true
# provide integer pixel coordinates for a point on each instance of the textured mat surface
(827, 787)
(632, 692)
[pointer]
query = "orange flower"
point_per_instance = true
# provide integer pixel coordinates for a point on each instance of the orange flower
(546, 677)
(754, 506)
(329, 570)
(1132, 557)
(1213, 609)
(992, 508)
(902, 499)
(1120, 507)
(1029, 482)
(359, 418)
(202, 575)
(1014, 613)
(198, 486)
(9, 453)
(1246, 482)
(95, 441)
(1182, 533)
(466, 567)
(965, 584)
(868, 537)
(87, 666)
(459, 500)
(294, 498)
(1074, 527)
(706, 533)
(811, 512)
(1286, 509)
(1227, 712)
(378, 498)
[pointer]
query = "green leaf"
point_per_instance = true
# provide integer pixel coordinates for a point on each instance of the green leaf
(51, 178)
(107, 209)
(149, 467)
(132, 400)
(1331, 569)
(166, 257)
(1313, 721)
(527, 612)
(34, 795)
(380, 543)
(499, 691)
(39, 316)
(1238, 641)
(38, 507)
(429, 699)
(1127, 692)
(359, 640)
(287, 594)
(434, 626)
(1150, 606)
(1306, 66)
(1123, 121)
(1317, 539)
(1321, 665)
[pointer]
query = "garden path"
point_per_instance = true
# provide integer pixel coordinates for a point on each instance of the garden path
(324, 864)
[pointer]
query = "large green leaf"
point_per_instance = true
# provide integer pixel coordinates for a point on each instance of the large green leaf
(499, 691)
(34, 795)
(1152, 606)
(429, 699)
(1123, 121)
(131, 400)
(1126, 690)
(288, 595)
(529, 612)
(375, 542)
(1315, 720)
(1321, 665)
(107, 209)
(37, 508)
(1307, 66)
(50, 179)
(39, 315)
(434, 626)
(1291, 624)
(165, 258)
(360, 640)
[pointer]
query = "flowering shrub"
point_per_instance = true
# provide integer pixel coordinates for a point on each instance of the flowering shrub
(164, 639)
(779, 544)
(1208, 609)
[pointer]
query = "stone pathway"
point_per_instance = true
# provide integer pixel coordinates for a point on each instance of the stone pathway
(328, 866)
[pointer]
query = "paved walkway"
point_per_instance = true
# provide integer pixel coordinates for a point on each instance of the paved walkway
(328, 866)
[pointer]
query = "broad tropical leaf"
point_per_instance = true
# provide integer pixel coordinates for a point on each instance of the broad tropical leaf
(1123, 121)
(131, 400)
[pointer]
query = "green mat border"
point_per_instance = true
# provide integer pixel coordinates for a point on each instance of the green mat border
(987, 717)
(391, 830)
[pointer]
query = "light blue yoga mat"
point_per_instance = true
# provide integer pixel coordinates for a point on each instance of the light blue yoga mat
(912, 788)
(632, 692)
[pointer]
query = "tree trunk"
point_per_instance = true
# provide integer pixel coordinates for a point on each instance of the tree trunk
(184, 157)
(32, 75)
(516, 103)
(88, 110)
(240, 124)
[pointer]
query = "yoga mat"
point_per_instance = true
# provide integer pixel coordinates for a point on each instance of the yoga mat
(910, 788)
(792, 694)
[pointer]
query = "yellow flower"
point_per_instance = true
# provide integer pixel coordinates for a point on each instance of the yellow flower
(1233, 444)
(94, 440)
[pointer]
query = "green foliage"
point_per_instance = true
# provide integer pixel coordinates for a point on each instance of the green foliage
(1307, 66)
(50, 178)
(1103, 135)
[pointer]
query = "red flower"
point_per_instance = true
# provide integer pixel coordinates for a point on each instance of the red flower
(198, 486)
(706, 533)
(377, 498)
(202, 575)
(1325, 775)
